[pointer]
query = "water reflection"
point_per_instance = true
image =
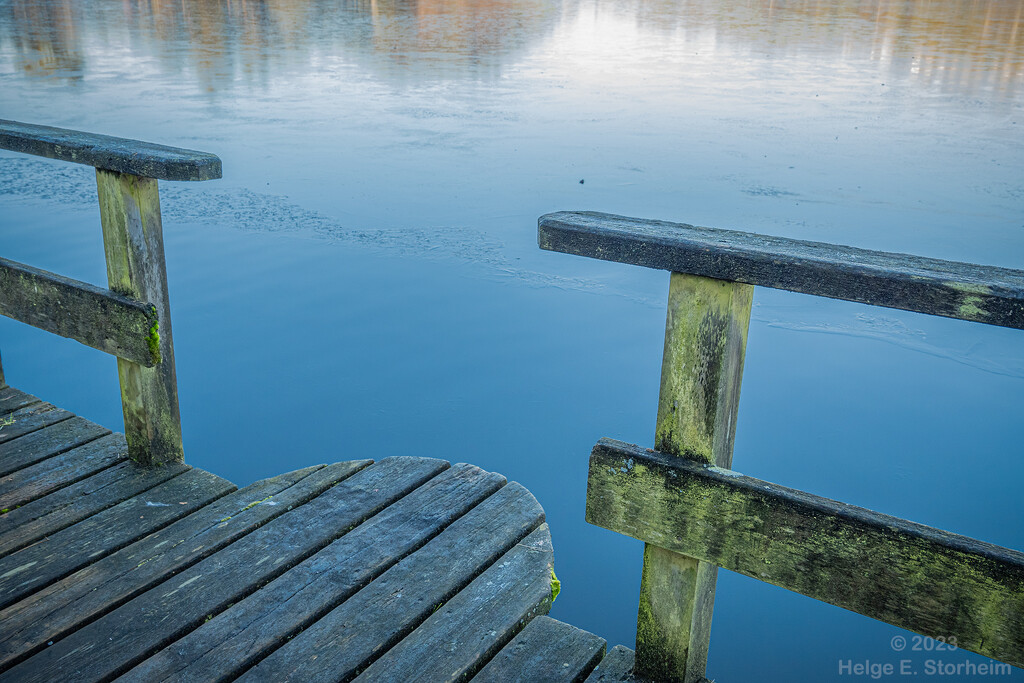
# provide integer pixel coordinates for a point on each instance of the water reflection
(45, 38)
(967, 45)
(971, 47)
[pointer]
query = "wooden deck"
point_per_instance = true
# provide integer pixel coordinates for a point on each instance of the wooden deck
(403, 569)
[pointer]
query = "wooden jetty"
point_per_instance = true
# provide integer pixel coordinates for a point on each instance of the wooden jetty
(118, 561)
(111, 569)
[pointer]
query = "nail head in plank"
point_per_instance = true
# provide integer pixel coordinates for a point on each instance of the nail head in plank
(470, 628)
(99, 318)
(548, 651)
(121, 639)
(985, 294)
(111, 153)
(906, 574)
(241, 636)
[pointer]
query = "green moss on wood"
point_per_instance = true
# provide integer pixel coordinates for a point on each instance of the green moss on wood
(133, 243)
(556, 586)
(705, 342)
(247, 507)
(664, 621)
(914, 577)
(153, 340)
(972, 304)
(969, 308)
(77, 310)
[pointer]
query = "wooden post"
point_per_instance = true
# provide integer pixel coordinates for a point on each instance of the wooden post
(133, 242)
(705, 341)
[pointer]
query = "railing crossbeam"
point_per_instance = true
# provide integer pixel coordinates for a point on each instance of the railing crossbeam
(96, 317)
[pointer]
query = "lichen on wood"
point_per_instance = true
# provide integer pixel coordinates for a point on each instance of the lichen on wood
(100, 318)
(985, 294)
(705, 344)
(906, 574)
(133, 244)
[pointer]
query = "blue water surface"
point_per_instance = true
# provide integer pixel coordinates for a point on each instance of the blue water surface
(365, 281)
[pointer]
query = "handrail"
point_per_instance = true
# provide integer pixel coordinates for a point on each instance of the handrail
(695, 514)
(109, 153)
(131, 320)
(966, 291)
(906, 574)
(104, 320)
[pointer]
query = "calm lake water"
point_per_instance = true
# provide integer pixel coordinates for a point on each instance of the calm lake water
(365, 280)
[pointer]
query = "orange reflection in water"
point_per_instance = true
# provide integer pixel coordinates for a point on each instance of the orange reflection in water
(967, 46)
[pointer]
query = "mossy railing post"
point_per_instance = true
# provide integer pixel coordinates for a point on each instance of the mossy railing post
(705, 341)
(694, 513)
(134, 246)
(131, 320)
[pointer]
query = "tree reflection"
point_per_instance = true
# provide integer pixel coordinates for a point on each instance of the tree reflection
(966, 46)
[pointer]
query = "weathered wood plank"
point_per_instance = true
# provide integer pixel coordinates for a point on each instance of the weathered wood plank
(240, 637)
(35, 481)
(546, 651)
(616, 667)
(96, 317)
(470, 628)
(134, 246)
(344, 640)
(100, 587)
(111, 153)
(11, 400)
(966, 291)
(62, 508)
(46, 443)
(27, 420)
(119, 640)
(906, 574)
(66, 551)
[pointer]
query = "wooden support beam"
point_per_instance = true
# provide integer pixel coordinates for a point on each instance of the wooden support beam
(966, 291)
(705, 343)
(702, 367)
(95, 317)
(912, 576)
(134, 247)
(113, 154)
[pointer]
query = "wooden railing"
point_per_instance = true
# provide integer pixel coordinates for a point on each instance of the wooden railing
(695, 514)
(132, 319)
